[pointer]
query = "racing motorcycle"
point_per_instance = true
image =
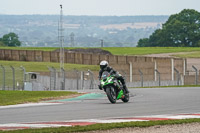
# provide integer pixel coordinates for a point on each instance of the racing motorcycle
(113, 88)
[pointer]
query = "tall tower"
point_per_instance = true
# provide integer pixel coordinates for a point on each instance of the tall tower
(101, 42)
(61, 38)
(72, 39)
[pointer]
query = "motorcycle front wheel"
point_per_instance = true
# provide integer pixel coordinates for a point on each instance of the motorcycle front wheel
(111, 94)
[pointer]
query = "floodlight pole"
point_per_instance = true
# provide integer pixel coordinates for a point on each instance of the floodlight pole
(61, 39)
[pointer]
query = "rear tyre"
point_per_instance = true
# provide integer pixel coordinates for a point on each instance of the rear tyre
(126, 98)
(111, 94)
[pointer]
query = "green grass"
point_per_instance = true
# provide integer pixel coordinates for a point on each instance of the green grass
(42, 66)
(34, 48)
(122, 50)
(31, 48)
(18, 97)
(108, 126)
(189, 55)
(148, 50)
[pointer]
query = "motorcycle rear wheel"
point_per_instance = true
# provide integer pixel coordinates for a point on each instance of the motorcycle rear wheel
(111, 94)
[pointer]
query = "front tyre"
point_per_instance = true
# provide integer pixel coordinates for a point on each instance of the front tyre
(111, 94)
(126, 98)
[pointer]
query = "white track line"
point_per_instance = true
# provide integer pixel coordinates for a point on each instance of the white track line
(32, 125)
(106, 121)
(184, 116)
(27, 105)
(11, 126)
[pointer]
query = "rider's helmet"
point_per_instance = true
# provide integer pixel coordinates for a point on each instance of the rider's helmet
(103, 64)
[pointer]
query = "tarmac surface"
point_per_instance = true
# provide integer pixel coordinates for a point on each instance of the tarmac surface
(143, 102)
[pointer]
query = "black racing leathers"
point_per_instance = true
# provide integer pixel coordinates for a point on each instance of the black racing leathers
(118, 76)
(112, 71)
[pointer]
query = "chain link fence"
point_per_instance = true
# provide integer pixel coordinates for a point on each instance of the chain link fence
(156, 79)
(62, 79)
(16, 78)
(11, 78)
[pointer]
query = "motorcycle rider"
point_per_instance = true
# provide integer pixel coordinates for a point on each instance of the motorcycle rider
(104, 67)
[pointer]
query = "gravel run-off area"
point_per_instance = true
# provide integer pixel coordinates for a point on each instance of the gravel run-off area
(178, 128)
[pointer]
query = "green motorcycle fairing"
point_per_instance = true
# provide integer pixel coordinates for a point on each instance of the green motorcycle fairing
(120, 95)
(108, 81)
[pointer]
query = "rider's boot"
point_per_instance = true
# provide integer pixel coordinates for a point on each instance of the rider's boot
(125, 89)
(99, 87)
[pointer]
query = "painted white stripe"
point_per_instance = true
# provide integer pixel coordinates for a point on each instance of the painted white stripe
(106, 121)
(135, 118)
(157, 116)
(27, 105)
(184, 116)
(170, 116)
(32, 125)
(181, 116)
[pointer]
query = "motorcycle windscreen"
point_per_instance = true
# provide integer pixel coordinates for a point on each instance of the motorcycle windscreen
(105, 74)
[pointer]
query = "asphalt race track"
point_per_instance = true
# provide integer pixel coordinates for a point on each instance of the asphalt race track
(143, 101)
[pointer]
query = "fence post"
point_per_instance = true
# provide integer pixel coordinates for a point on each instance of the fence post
(54, 72)
(131, 71)
(4, 79)
(82, 80)
(24, 76)
(141, 76)
(177, 75)
(77, 78)
(52, 77)
(173, 68)
(91, 78)
(196, 74)
(158, 76)
(63, 77)
(155, 68)
(93, 83)
(13, 72)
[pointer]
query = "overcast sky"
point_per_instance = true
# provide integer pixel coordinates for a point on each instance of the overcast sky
(98, 7)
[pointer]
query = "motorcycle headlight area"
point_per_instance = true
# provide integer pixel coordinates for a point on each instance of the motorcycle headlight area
(110, 80)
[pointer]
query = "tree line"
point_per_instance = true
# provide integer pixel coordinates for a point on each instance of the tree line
(180, 30)
(42, 30)
(11, 39)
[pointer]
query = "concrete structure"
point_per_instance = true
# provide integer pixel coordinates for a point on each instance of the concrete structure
(147, 65)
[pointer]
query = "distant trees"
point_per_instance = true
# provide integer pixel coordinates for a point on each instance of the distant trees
(34, 30)
(11, 39)
(180, 30)
(1, 43)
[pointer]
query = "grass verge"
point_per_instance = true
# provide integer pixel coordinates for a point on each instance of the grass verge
(42, 66)
(108, 126)
(148, 50)
(31, 48)
(189, 55)
(18, 97)
(122, 50)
